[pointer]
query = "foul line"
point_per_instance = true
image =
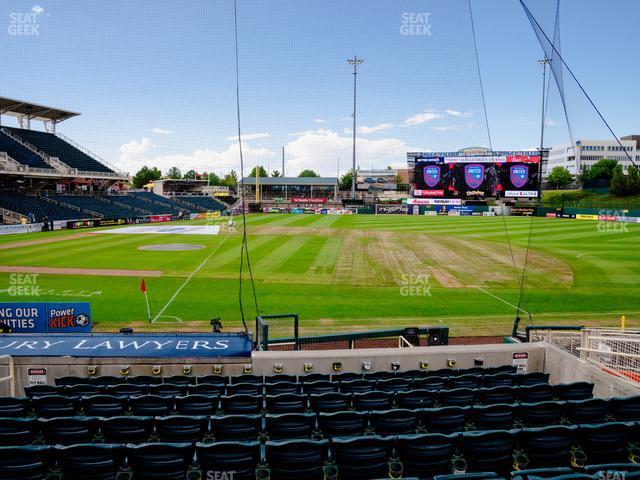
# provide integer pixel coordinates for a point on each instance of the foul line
(197, 269)
(502, 300)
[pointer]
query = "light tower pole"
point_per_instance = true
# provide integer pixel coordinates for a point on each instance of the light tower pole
(355, 61)
(544, 62)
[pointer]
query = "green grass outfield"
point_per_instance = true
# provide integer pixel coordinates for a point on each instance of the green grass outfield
(345, 273)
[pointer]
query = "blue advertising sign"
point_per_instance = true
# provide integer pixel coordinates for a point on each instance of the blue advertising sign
(102, 345)
(46, 317)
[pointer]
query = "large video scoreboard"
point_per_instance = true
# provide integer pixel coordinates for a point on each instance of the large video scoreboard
(475, 177)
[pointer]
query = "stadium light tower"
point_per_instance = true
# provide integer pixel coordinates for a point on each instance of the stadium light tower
(544, 62)
(355, 61)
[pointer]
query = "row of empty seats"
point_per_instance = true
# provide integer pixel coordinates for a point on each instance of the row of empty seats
(40, 208)
(20, 153)
(55, 146)
(152, 423)
(585, 448)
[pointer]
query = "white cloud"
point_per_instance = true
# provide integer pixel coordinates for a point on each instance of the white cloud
(320, 150)
(551, 123)
(420, 118)
(249, 136)
(319, 120)
(135, 154)
(37, 9)
(367, 130)
(457, 113)
(161, 131)
(134, 150)
(320, 131)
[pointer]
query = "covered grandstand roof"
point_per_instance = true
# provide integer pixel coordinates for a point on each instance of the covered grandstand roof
(292, 181)
(18, 108)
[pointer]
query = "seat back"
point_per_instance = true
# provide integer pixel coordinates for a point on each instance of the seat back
(127, 429)
(180, 428)
(95, 461)
(489, 451)
(26, 463)
(296, 459)
(236, 427)
(241, 458)
(394, 422)
(428, 454)
(362, 458)
(160, 461)
(290, 425)
(342, 424)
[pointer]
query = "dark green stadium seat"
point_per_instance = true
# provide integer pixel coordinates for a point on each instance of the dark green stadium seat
(464, 381)
(605, 443)
(346, 377)
(574, 391)
(429, 383)
(489, 451)
(623, 469)
(95, 461)
(236, 427)
(330, 402)
(248, 378)
(144, 380)
(625, 409)
(493, 417)
(426, 455)
(167, 390)
(297, 459)
(83, 390)
(151, 405)
(290, 425)
(444, 419)
(357, 386)
(108, 380)
(458, 397)
(40, 390)
(207, 389)
(280, 378)
(104, 405)
(533, 378)
(373, 401)
(245, 389)
(538, 473)
(314, 377)
(18, 431)
(126, 429)
(236, 404)
(469, 476)
(492, 395)
(180, 380)
(416, 399)
(320, 386)
(393, 422)
(72, 380)
(181, 428)
(282, 387)
(379, 375)
(55, 406)
(593, 410)
(26, 463)
(68, 431)
(546, 446)
(343, 424)
(535, 393)
(393, 385)
(499, 380)
(212, 380)
(197, 404)
(14, 407)
(362, 458)
(540, 414)
(286, 403)
(160, 461)
(241, 458)
(126, 390)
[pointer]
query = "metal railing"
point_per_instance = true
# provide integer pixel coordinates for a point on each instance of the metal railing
(11, 377)
(89, 153)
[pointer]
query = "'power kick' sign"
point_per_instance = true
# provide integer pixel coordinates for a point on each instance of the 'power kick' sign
(46, 317)
(99, 345)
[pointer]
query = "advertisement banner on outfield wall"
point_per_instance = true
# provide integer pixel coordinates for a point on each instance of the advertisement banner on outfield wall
(391, 209)
(160, 218)
(28, 228)
(523, 211)
(434, 201)
(46, 317)
(584, 216)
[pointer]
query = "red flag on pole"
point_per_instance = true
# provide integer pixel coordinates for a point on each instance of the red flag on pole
(143, 286)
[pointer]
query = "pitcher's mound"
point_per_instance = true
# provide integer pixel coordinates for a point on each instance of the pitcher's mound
(172, 247)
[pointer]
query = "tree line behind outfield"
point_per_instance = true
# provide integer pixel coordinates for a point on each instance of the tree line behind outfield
(605, 171)
(229, 179)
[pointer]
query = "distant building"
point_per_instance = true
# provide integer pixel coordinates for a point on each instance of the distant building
(577, 158)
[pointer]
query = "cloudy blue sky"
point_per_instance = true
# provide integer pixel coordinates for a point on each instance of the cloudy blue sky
(155, 81)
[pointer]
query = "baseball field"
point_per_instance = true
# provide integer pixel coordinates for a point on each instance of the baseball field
(339, 273)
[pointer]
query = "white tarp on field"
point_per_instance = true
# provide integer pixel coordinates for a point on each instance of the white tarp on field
(167, 229)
